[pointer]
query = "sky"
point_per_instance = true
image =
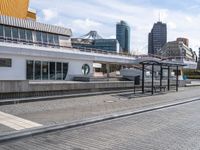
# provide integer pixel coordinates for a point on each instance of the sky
(81, 16)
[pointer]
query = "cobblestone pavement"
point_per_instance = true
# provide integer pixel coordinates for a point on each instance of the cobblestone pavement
(67, 110)
(174, 128)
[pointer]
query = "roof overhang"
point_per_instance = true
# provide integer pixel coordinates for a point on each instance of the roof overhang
(33, 25)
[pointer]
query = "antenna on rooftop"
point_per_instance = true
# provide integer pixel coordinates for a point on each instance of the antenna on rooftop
(159, 17)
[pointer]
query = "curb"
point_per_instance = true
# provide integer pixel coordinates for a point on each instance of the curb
(192, 85)
(52, 128)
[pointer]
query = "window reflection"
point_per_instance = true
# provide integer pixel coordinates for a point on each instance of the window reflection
(44, 38)
(38, 37)
(29, 36)
(22, 34)
(8, 32)
(37, 70)
(58, 71)
(45, 70)
(65, 70)
(52, 71)
(14, 34)
(29, 70)
(1, 33)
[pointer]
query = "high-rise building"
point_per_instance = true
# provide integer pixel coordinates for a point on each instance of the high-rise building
(123, 36)
(17, 8)
(157, 38)
(177, 50)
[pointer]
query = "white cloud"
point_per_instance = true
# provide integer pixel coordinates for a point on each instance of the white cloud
(189, 19)
(83, 16)
(84, 25)
(49, 14)
(172, 25)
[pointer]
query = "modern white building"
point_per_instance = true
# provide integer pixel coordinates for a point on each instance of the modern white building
(34, 51)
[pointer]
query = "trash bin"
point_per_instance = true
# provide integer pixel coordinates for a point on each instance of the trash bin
(137, 80)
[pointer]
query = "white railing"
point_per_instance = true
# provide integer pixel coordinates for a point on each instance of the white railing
(90, 50)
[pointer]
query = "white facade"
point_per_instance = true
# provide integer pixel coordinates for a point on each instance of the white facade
(19, 56)
(20, 53)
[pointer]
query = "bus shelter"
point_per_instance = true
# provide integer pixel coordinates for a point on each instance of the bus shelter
(162, 65)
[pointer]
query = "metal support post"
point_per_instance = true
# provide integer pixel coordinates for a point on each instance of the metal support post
(152, 84)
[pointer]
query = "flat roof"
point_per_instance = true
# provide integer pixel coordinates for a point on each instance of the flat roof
(33, 25)
(163, 63)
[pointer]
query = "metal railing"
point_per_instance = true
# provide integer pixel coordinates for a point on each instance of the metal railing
(89, 50)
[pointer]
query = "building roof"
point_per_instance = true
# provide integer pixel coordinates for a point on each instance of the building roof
(33, 25)
(163, 63)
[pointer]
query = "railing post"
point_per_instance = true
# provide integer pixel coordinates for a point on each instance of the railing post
(143, 78)
(168, 79)
(177, 78)
(152, 84)
(161, 77)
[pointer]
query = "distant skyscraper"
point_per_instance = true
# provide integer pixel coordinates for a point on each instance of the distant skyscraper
(157, 37)
(123, 36)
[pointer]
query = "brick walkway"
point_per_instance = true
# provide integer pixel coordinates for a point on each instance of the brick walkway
(67, 110)
(175, 128)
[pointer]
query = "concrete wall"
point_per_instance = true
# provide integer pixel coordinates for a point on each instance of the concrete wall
(26, 86)
(16, 72)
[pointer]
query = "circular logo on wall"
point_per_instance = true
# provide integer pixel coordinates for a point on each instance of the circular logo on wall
(85, 69)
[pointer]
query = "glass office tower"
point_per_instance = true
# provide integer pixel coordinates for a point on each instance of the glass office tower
(157, 38)
(123, 36)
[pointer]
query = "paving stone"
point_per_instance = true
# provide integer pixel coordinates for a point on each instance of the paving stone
(174, 128)
(68, 110)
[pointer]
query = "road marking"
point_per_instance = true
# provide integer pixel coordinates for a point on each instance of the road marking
(16, 122)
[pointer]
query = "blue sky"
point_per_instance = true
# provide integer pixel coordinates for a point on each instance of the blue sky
(181, 16)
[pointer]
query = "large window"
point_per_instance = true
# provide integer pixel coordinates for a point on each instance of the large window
(50, 39)
(56, 39)
(44, 38)
(43, 70)
(29, 35)
(37, 70)
(7, 32)
(15, 34)
(29, 69)
(39, 37)
(5, 62)
(58, 71)
(1, 31)
(22, 34)
(52, 70)
(65, 70)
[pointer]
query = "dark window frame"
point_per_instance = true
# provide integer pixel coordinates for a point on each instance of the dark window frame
(6, 62)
